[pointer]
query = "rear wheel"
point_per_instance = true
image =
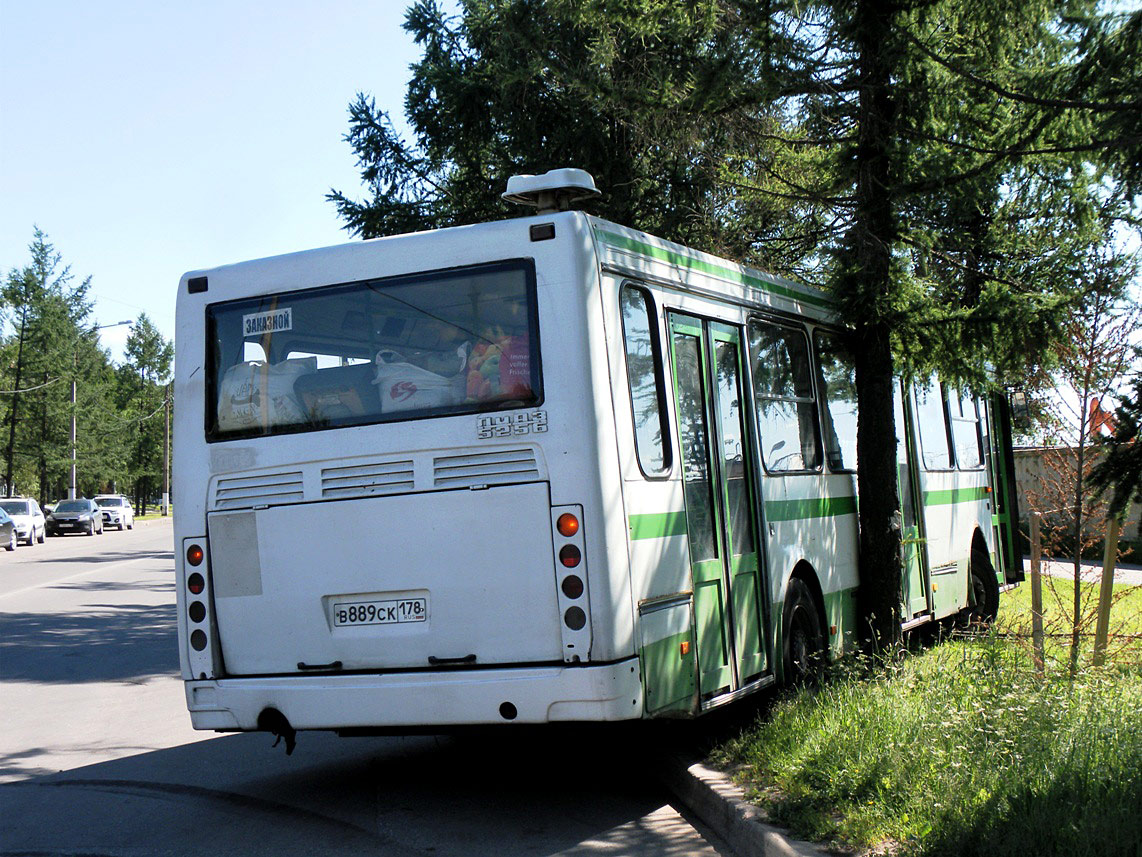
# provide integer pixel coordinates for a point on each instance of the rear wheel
(803, 644)
(984, 590)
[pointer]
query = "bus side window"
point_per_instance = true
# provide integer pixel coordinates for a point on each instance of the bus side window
(836, 379)
(966, 435)
(934, 442)
(783, 393)
(644, 372)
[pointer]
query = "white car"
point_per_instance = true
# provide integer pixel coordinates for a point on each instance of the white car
(117, 511)
(28, 517)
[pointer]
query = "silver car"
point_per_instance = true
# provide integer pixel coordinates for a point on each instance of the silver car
(28, 518)
(117, 511)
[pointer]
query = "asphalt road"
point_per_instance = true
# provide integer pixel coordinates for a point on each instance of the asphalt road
(97, 756)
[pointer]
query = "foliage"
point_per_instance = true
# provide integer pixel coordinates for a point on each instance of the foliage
(961, 750)
(50, 348)
(1121, 467)
(639, 94)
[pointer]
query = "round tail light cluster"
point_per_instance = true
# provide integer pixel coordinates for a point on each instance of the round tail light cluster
(570, 573)
(196, 612)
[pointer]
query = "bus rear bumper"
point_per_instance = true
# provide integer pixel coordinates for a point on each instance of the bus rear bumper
(522, 695)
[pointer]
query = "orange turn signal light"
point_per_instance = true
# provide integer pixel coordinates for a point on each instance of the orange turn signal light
(568, 525)
(684, 648)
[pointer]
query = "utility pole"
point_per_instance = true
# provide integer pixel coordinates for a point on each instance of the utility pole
(167, 450)
(71, 484)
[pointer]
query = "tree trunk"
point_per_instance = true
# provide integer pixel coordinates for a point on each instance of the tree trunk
(869, 270)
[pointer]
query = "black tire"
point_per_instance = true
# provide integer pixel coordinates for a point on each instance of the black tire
(11, 546)
(43, 535)
(91, 528)
(803, 637)
(984, 601)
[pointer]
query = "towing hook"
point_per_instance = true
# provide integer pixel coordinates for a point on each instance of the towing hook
(273, 721)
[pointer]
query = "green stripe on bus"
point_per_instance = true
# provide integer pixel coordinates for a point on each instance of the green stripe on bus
(683, 260)
(818, 507)
(658, 525)
(955, 495)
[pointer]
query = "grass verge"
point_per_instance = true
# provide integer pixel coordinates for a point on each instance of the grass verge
(961, 749)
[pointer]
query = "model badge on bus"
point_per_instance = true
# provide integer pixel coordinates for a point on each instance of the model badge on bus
(506, 425)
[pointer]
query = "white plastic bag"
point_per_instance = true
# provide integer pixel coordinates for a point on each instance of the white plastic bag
(405, 387)
(254, 395)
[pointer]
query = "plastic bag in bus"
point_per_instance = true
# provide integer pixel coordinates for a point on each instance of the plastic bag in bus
(404, 386)
(259, 395)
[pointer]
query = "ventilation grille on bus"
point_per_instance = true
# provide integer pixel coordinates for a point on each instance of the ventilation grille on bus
(363, 480)
(244, 492)
(485, 468)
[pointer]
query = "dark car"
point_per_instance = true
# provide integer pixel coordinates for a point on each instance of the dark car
(75, 516)
(7, 531)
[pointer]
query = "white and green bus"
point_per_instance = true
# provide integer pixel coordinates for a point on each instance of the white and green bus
(537, 470)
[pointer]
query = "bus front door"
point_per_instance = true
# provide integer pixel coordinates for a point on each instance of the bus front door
(718, 481)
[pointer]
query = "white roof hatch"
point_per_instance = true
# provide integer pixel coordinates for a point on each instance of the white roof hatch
(553, 191)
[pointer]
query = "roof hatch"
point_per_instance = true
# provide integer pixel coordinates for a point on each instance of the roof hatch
(553, 191)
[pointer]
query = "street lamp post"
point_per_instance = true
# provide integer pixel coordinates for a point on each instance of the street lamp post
(71, 492)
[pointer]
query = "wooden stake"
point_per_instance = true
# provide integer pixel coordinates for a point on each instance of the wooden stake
(1037, 593)
(1102, 628)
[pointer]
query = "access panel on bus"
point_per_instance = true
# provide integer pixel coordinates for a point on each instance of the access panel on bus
(424, 580)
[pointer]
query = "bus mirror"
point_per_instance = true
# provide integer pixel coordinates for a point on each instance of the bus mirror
(1020, 409)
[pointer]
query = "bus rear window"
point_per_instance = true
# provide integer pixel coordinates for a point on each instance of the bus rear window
(443, 343)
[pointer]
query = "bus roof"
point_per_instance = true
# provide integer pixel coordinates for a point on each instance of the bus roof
(619, 249)
(630, 251)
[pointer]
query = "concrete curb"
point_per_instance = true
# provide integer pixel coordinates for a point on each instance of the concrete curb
(719, 803)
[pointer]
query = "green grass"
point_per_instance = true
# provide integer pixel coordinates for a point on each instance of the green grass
(1125, 637)
(958, 750)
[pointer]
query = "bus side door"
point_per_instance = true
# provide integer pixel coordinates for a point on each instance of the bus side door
(718, 478)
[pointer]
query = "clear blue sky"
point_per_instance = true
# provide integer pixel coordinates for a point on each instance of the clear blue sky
(149, 138)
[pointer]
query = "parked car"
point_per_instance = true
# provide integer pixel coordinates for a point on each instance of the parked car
(117, 511)
(75, 516)
(7, 531)
(28, 517)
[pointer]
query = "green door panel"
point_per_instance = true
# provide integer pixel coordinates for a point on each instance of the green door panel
(721, 513)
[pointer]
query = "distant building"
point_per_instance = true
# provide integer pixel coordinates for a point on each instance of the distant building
(1048, 474)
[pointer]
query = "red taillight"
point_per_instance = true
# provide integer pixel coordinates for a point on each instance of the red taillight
(195, 584)
(195, 555)
(568, 525)
(570, 556)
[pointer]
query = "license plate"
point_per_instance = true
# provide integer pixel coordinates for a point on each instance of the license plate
(395, 612)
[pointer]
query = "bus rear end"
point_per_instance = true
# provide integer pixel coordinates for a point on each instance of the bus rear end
(389, 492)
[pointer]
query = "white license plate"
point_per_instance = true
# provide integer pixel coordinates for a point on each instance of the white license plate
(395, 612)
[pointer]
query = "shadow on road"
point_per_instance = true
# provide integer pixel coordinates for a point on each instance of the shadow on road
(117, 556)
(106, 642)
(501, 792)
